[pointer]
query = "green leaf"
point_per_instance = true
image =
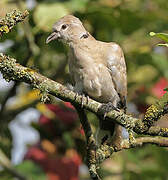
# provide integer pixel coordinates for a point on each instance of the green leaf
(31, 170)
(68, 139)
(163, 36)
(27, 168)
(47, 14)
(166, 44)
(165, 89)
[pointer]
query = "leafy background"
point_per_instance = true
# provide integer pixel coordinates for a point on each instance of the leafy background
(127, 22)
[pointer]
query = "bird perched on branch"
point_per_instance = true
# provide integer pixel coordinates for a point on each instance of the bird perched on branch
(97, 69)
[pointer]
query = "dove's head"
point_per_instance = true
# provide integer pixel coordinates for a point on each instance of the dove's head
(68, 29)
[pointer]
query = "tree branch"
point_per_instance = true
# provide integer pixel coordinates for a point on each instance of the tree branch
(90, 143)
(11, 19)
(95, 155)
(138, 142)
(14, 71)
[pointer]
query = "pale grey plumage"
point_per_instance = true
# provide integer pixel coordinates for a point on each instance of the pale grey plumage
(97, 68)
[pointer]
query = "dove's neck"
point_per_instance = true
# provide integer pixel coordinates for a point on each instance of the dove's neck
(82, 41)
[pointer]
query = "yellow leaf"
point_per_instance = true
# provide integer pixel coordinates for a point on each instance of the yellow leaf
(45, 111)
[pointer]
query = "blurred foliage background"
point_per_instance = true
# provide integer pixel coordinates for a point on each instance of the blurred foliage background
(58, 152)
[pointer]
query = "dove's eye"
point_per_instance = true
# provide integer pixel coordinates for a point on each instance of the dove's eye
(64, 26)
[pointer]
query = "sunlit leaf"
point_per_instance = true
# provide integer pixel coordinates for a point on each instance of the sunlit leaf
(166, 44)
(163, 36)
(25, 99)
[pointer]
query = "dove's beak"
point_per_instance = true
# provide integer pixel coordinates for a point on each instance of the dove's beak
(52, 36)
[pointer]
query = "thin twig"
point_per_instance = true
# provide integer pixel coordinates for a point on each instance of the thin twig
(91, 143)
(140, 141)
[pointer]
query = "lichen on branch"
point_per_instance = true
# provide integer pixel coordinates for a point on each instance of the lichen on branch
(14, 71)
(11, 19)
(155, 111)
(11, 70)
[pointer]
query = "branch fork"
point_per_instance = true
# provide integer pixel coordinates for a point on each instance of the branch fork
(11, 70)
